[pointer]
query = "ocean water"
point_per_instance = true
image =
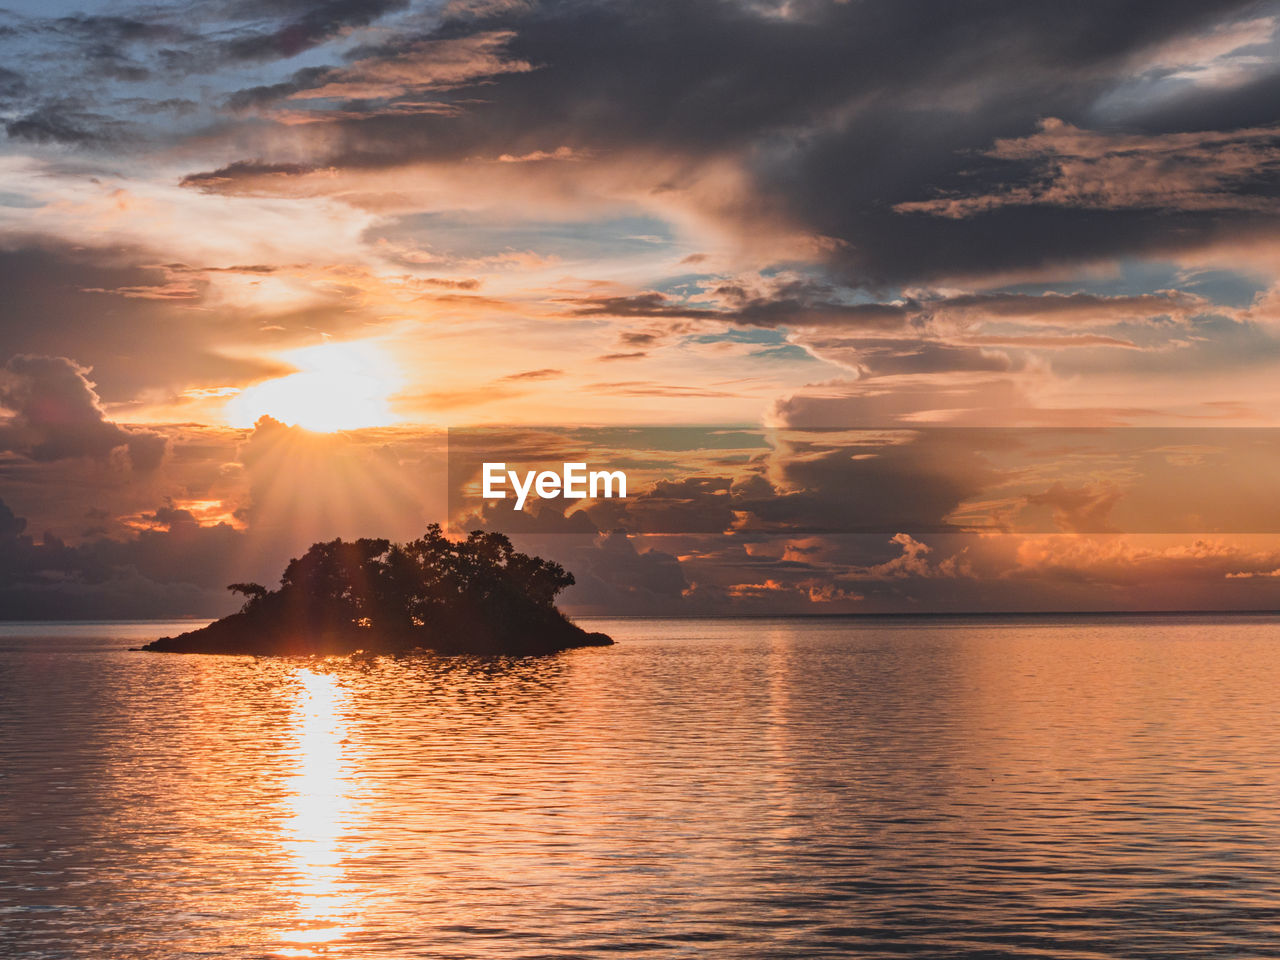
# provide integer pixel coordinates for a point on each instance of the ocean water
(1079, 788)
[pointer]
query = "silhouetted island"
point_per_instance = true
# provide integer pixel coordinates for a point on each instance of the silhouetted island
(476, 595)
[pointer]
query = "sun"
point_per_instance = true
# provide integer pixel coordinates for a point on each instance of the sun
(338, 386)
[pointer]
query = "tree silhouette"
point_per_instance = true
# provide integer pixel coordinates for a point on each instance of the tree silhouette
(477, 594)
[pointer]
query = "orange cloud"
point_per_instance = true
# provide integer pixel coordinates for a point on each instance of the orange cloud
(1106, 171)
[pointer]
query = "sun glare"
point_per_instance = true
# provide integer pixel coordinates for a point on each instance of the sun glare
(319, 809)
(338, 386)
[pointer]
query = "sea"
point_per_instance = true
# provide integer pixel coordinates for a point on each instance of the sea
(1052, 787)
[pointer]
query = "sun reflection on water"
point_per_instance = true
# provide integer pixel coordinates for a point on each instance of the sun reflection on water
(319, 807)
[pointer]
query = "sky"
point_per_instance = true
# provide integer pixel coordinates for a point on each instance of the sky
(985, 295)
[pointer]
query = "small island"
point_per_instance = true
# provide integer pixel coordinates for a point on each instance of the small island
(472, 596)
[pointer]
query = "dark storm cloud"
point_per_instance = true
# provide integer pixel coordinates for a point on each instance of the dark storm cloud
(106, 28)
(841, 112)
(808, 303)
(301, 25)
(92, 46)
(146, 450)
(177, 571)
(1213, 107)
(789, 304)
(303, 79)
(795, 481)
(688, 505)
(12, 83)
(911, 484)
(1071, 167)
(614, 574)
(241, 507)
(105, 42)
(851, 118)
(65, 122)
(213, 180)
(121, 310)
(53, 413)
(86, 53)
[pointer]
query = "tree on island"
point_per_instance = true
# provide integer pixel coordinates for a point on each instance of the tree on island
(477, 595)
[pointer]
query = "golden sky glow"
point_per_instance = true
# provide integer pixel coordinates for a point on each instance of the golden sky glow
(254, 266)
(338, 386)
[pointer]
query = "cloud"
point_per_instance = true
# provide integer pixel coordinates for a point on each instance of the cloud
(154, 327)
(792, 305)
(1070, 167)
(546, 373)
(176, 572)
(810, 129)
(913, 562)
(301, 26)
(810, 304)
(66, 122)
(418, 66)
(1051, 342)
(105, 29)
(1124, 561)
(1211, 56)
(146, 450)
(885, 357)
(653, 388)
(11, 525)
(631, 355)
(537, 156)
(1079, 509)
(244, 170)
(868, 482)
(12, 83)
(240, 505)
(822, 128)
(614, 575)
(54, 414)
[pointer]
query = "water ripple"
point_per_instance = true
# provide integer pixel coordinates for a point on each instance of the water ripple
(753, 789)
